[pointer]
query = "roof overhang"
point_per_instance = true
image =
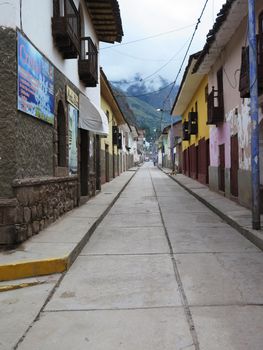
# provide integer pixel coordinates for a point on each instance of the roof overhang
(188, 87)
(227, 22)
(91, 117)
(106, 19)
(134, 131)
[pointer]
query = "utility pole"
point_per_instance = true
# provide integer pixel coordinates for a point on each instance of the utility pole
(254, 115)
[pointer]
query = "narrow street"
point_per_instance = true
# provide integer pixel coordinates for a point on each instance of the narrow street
(161, 272)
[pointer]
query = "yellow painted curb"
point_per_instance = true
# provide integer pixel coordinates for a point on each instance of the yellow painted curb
(8, 287)
(33, 268)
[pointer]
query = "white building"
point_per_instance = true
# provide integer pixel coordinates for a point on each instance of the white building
(50, 120)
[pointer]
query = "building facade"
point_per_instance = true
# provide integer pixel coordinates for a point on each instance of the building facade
(113, 155)
(225, 60)
(191, 103)
(50, 120)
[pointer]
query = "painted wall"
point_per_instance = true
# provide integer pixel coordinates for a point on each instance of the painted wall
(237, 118)
(35, 22)
(203, 129)
(107, 140)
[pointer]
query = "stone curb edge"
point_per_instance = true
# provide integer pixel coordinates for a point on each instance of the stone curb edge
(33, 268)
(251, 236)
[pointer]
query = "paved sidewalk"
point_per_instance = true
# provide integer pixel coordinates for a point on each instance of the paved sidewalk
(233, 213)
(54, 249)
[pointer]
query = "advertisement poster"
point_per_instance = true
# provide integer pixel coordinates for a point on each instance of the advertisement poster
(35, 82)
(73, 132)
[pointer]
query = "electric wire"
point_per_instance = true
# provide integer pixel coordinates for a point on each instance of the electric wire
(147, 37)
(172, 84)
(158, 70)
(187, 51)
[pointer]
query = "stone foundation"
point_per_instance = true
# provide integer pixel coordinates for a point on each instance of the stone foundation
(37, 203)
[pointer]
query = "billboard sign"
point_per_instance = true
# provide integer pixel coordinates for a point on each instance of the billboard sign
(35, 82)
(73, 132)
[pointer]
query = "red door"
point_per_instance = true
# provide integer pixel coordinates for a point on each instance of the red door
(234, 166)
(222, 168)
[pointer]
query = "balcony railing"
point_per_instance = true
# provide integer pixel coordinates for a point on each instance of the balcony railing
(88, 62)
(65, 28)
(244, 82)
(215, 107)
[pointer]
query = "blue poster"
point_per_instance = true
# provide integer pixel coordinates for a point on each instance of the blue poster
(73, 134)
(35, 82)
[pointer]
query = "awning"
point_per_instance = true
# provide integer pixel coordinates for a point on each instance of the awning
(91, 117)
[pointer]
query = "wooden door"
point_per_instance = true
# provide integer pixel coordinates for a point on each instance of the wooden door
(222, 168)
(84, 156)
(98, 168)
(234, 166)
(107, 164)
(208, 160)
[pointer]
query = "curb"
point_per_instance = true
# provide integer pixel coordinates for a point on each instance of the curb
(33, 268)
(252, 236)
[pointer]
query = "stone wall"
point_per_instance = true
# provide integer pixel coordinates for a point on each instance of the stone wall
(37, 203)
(8, 82)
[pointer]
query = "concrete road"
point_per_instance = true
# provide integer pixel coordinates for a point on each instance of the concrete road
(161, 272)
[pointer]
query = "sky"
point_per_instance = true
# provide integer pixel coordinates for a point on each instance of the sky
(163, 54)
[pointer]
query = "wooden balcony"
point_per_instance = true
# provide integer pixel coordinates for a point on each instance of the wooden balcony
(244, 81)
(192, 123)
(88, 63)
(186, 136)
(215, 107)
(65, 28)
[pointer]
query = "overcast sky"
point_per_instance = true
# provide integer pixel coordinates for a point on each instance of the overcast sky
(144, 18)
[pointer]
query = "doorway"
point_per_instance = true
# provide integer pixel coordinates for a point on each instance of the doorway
(234, 166)
(84, 156)
(222, 168)
(107, 164)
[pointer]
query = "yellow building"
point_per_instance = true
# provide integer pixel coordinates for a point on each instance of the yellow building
(112, 145)
(191, 104)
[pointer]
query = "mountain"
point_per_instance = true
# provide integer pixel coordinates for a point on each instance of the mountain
(142, 110)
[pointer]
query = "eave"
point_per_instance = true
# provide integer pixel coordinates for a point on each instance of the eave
(226, 24)
(106, 19)
(188, 87)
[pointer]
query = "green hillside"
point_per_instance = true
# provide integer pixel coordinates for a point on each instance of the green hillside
(141, 114)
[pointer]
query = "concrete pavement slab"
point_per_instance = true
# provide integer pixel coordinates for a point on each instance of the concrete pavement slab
(89, 210)
(117, 282)
(193, 218)
(20, 307)
(70, 229)
(222, 278)
(139, 207)
(209, 240)
(157, 329)
(229, 327)
(132, 220)
(143, 240)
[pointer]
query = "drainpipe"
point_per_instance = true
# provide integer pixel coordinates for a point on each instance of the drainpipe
(254, 115)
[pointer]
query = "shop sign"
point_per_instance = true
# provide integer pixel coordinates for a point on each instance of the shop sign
(72, 97)
(35, 78)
